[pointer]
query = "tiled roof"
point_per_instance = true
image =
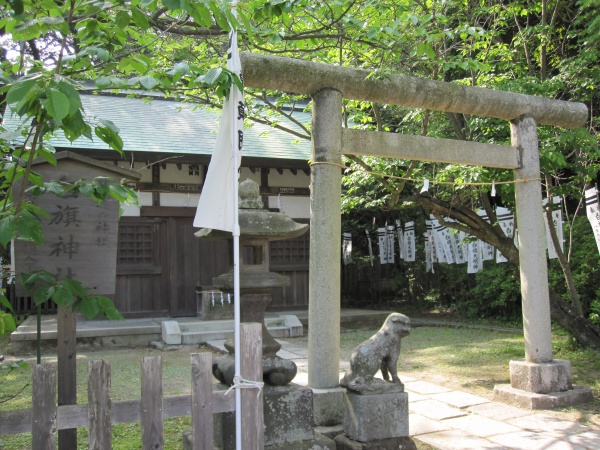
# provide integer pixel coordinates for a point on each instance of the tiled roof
(179, 128)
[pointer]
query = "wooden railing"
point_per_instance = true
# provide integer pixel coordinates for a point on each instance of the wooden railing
(45, 418)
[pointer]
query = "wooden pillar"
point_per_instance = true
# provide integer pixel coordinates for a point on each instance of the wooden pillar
(532, 243)
(325, 241)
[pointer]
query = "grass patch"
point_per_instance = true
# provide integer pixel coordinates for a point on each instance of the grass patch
(471, 360)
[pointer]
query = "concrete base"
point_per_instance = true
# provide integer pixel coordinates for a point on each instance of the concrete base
(530, 400)
(343, 442)
(376, 417)
(541, 378)
(328, 406)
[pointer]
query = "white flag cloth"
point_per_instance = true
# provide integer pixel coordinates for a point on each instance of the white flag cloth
(409, 241)
(487, 250)
(383, 243)
(216, 204)
(557, 221)
(593, 212)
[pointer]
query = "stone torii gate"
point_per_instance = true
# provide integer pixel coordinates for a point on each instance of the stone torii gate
(328, 84)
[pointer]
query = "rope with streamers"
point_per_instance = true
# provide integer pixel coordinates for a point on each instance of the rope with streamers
(241, 383)
(414, 180)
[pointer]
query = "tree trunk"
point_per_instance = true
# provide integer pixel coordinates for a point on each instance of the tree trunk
(584, 331)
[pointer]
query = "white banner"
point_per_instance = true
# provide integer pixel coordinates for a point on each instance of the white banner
(400, 239)
(409, 241)
(487, 250)
(593, 212)
(557, 221)
(382, 241)
(474, 257)
(443, 243)
(391, 245)
(370, 247)
(347, 248)
(428, 264)
(506, 221)
(457, 248)
(431, 241)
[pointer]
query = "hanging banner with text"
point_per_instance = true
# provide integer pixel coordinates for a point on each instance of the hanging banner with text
(593, 213)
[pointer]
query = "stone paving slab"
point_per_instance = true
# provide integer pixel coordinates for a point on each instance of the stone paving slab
(480, 426)
(418, 425)
(458, 440)
(459, 399)
(435, 410)
(527, 440)
(414, 397)
(589, 439)
(423, 387)
(550, 425)
(498, 411)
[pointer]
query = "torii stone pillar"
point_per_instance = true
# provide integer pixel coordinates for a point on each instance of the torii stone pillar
(532, 242)
(325, 233)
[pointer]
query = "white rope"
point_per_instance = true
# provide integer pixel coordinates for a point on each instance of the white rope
(240, 383)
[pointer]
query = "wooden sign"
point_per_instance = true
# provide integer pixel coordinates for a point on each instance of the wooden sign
(80, 235)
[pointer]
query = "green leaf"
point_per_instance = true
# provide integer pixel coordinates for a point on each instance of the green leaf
(148, 82)
(7, 230)
(88, 307)
(139, 18)
(5, 303)
(19, 90)
(111, 137)
(211, 76)
(103, 82)
(122, 19)
(56, 104)
(172, 4)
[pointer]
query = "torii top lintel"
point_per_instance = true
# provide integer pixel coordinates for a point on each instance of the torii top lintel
(305, 77)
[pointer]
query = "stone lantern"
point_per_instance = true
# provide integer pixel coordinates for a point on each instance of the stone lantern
(258, 226)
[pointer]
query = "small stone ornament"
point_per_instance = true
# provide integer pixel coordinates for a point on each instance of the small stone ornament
(379, 352)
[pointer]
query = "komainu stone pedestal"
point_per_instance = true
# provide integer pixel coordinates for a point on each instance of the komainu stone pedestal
(371, 418)
(541, 386)
(289, 421)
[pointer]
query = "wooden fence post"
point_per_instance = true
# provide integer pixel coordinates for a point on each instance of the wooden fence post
(99, 406)
(43, 415)
(253, 436)
(151, 405)
(67, 370)
(202, 407)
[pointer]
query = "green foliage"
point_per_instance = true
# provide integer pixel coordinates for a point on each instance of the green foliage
(67, 293)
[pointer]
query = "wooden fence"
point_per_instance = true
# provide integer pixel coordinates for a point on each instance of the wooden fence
(45, 418)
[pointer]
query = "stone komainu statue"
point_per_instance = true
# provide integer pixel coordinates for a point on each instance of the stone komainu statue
(380, 351)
